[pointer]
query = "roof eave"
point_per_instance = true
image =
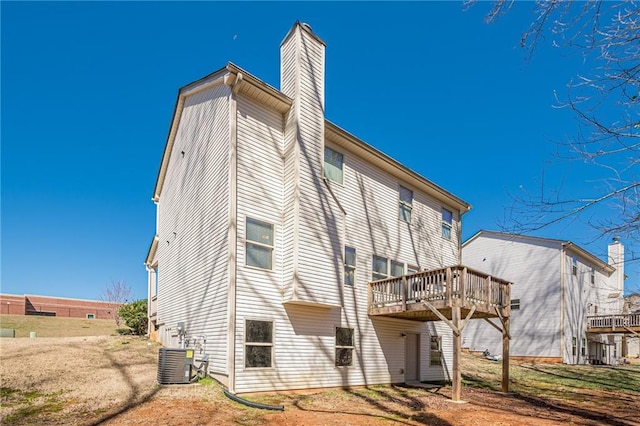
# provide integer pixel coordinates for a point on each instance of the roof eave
(350, 142)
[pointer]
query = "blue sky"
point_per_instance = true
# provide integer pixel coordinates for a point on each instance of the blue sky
(88, 90)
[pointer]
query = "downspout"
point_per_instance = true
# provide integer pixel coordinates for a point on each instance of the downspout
(232, 234)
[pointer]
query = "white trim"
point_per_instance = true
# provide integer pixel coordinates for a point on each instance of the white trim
(232, 243)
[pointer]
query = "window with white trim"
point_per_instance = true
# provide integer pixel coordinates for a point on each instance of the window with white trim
(574, 267)
(349, 265)
(574, 344)
(383, 268)
(333, 165)
(91, 316)
(583, 347)
(593, 275)
(344, 347)
(435, 357)
(259, 244)
(379, 268)
(405, 204)
(397, 269)
(447, 223)
(258, 344)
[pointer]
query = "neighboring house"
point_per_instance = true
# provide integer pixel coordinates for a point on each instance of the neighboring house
(557, 285)
(632, 342)
(272, 221)
(30, 304)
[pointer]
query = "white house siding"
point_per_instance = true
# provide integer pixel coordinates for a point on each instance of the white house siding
(304, 342)
(259, 196)
(584, 298)
(534, 270)
(369, 197)
(192, 222)
(288, 76)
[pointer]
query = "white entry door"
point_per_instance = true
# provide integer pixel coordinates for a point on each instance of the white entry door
(412, 358)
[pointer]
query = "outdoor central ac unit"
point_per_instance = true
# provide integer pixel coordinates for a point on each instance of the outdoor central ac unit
(174, 365)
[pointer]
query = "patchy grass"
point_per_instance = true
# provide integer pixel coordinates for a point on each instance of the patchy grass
(27, 404)
(569, 384)
(57, 326)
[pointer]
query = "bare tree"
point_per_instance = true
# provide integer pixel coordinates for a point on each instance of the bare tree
(116, 294)
(606, 105)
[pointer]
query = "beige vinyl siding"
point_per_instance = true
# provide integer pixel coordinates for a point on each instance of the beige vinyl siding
(192, 222)
(534, 270)
(259, 196)
(290, 173)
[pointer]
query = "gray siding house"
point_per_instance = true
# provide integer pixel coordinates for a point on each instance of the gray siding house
(557, 285)
(271, 223)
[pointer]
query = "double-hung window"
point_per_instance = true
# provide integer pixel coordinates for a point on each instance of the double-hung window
(574, 267)
(344, 347)
(593, 276)
(379, 268)
(435, 357)
(447, 223)
(397, 269)
(258, 349)
(349, 265)
(333, 165)
(405, 204)
(259, 243)
(258, 344)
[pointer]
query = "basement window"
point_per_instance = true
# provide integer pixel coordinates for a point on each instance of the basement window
(435, 357)
(259, 243)
(405, 204)
(258, 351)
(344, 347)
(91, 316)
(333, 165)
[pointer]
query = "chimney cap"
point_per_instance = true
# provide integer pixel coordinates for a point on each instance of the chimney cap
(306, 26)
(616, 239)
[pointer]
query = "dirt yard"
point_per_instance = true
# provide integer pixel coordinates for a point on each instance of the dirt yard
(111, 380)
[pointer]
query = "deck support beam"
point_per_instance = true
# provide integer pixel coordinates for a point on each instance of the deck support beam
(505, 347)
(457, 350)
(505, 355)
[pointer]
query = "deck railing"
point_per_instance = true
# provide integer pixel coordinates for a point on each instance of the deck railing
(614, 321)
(446, 284)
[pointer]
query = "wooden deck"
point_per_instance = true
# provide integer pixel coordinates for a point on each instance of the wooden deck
(614, 324)
(454, 295)
(478, 295)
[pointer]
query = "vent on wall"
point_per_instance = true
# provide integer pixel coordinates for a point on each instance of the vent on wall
(174, 366)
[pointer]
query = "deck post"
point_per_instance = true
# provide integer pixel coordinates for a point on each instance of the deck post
(448, 285)
(369, 298)
(404, 292)
(505, 355)
(457, 349)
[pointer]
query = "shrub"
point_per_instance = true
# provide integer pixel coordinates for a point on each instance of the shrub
(135, 316)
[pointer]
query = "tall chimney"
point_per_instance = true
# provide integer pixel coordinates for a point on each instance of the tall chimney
(307, 204)
(616, 259)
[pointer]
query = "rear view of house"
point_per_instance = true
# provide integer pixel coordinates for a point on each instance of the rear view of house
(271, 224)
